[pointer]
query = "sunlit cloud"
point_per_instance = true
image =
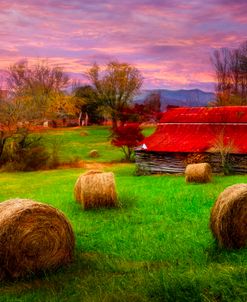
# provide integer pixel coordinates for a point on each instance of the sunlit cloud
(170, 41)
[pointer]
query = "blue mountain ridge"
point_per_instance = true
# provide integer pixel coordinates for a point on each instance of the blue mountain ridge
(182, 97)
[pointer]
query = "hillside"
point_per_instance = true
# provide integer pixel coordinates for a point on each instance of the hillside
(182, 97)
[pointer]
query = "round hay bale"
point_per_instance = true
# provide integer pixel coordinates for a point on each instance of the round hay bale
(200, 173)
(93, 153)
(84, 133)
(34, 237)
(228, 219)
(95, 189)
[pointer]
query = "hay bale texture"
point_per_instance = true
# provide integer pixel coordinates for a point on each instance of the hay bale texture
(95, 189)
(200, 173)
(94, 153)
(228, 219)
(34, 237)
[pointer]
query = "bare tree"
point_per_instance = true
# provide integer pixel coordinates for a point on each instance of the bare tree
(231, 75)
(222, 70)
(224, 147)
(152, 102)
(115, 86)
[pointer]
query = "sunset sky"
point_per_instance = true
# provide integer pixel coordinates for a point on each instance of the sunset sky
(170, 41)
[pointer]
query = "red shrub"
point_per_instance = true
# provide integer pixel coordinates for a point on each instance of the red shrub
(127, 137)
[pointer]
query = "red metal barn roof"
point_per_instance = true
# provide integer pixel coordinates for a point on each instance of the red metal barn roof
(227, 114)
(199, 129)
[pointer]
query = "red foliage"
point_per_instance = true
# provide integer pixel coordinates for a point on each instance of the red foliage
(127, 137)
(149, 111)
(139, 113)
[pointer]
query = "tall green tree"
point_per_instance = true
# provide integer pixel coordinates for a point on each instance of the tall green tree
(88, 105)
(115, 85)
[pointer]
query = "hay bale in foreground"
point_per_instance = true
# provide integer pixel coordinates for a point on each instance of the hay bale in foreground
(94, 153)
(95, 189)
(228, 219)
(34, 237)
(200, 173)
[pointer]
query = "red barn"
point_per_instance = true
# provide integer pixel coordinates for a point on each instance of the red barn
(197, 134)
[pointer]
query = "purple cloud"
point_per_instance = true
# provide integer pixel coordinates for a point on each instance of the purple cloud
(170, 41)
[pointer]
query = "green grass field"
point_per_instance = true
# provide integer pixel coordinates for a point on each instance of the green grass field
(78, 142)
(156, 247)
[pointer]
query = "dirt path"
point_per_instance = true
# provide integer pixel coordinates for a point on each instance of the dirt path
(91, 165)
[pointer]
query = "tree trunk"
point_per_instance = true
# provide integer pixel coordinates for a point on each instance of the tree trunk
(2, 143)
(86, 119)
(114, 121)
(80, 119)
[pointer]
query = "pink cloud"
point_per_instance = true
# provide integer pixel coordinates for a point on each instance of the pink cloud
(170, 41)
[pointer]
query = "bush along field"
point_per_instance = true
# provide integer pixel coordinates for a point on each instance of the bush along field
(53, 148)
(156, 246)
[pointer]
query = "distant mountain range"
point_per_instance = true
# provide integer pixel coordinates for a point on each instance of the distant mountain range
(189, 98)
(182, 97)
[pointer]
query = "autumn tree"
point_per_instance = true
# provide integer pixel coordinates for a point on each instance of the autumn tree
(127, 137)
(4, 120)
(31, 91)
(148, 111)
(115, 86)
(231, 75)
(63, 106)
(131, 114)
(18, 149)
(36, 86)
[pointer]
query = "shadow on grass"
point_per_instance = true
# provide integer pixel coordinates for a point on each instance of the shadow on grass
(127, 200)
(100, 277)
(216, 254)
(92, 275)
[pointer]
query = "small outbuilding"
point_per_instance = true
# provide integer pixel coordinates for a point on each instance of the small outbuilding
(185, 135)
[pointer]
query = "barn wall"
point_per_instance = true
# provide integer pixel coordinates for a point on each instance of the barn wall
(159, 162)
(239, 163)
(152, 162)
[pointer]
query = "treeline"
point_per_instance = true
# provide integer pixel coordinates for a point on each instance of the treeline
(40, 92)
